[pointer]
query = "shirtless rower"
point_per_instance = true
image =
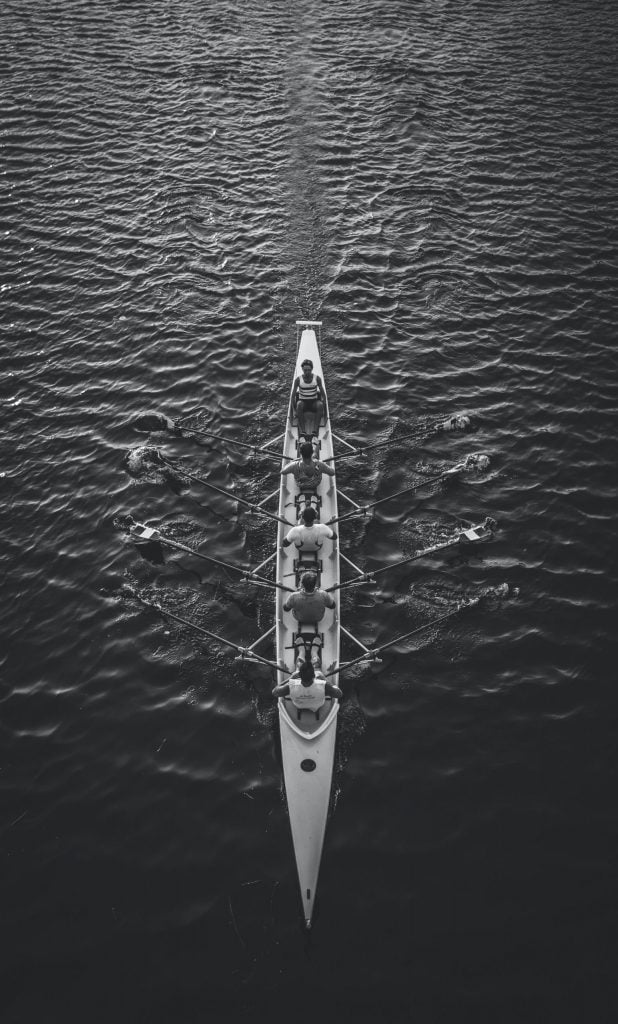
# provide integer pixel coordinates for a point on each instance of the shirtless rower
(308, 396)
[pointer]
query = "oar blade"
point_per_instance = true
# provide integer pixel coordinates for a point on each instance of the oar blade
(147, 543)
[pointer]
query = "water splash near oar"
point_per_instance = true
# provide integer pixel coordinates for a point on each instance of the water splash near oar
(145, 463)
(153, 422)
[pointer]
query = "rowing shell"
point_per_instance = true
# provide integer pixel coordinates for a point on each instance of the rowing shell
(307, 738)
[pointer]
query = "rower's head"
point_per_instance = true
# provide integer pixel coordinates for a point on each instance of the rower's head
(309, 514)
(308, 581)
(306, 450)
(307, 367)
(307, 673)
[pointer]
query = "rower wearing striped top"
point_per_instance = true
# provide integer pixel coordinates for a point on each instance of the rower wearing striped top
(308, 396)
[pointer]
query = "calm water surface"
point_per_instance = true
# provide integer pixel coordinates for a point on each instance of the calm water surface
(437, 182)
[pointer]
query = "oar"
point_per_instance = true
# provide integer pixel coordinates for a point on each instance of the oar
(165, 423)
(420, 434)
(363, 509)
(471, 535)
(244, 652)
(253, 506)
(147, 535)
(372, 653)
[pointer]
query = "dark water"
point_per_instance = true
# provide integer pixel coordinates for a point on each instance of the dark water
(437, 182)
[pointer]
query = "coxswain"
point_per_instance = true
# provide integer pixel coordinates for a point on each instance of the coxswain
(308, 396)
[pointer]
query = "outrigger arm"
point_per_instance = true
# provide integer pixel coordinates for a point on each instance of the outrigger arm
(363, 577)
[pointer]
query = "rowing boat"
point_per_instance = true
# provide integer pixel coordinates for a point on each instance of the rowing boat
(307, 737)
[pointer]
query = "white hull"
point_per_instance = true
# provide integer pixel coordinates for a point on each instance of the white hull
(307, 741)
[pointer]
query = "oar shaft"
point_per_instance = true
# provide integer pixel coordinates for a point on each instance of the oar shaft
(414, 487)
(397, 494)
(406, 636)
(228, 494)
(420, 434)
(366, 577)
(418, 554)
(250, 575)
(177, 546)
(427, 625)
(207, 633)
(230, 440)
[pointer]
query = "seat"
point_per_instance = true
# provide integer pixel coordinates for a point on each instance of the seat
(305, 498)
(307, 632)
(308, 561)
(315, 440)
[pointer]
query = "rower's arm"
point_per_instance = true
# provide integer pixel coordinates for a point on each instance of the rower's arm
(326, 468)
(288, 469)
(318, 381)
(332, 690)
(295, 392)
(282, 690)
(288, 539)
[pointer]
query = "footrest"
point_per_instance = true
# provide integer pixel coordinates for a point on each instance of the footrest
(308, 561)
(315, 441)
(307, 634)
(308, 498)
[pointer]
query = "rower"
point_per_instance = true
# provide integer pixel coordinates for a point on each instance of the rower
(308, 397)
(308, 471)
(308, 604)
(308, 535)
(308, 688)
